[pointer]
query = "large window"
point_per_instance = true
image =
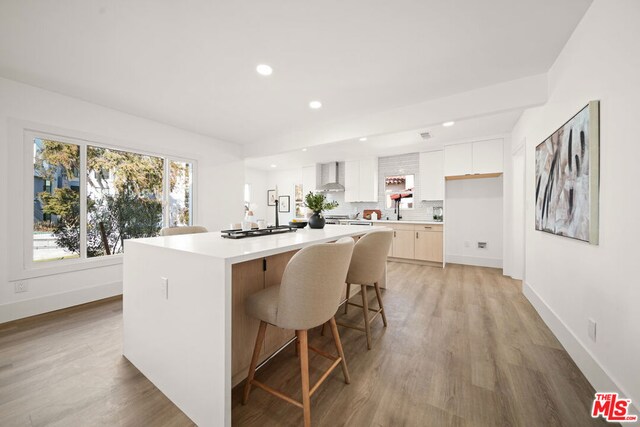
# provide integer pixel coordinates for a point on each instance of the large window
(56, 200)
(89, 199)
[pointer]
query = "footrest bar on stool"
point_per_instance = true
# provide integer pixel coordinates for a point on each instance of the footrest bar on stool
(276, 393)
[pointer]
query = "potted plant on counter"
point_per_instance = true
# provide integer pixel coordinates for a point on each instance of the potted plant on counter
(318, 203)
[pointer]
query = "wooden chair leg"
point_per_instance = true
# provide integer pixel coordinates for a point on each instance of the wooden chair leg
(304, 371)
(379, 296)
(346, 304)
(336, 339)
(297, 347)
(322, 330)
(254, 361)
(365, 309)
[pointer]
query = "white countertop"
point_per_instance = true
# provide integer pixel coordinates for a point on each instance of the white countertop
(239, 250)
(393, 221)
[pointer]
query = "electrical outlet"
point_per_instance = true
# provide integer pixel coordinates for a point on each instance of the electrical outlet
(482, 245)
(164, 286)
(21, 286)
(591, 329)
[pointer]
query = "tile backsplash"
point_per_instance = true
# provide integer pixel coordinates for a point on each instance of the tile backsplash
(405, 164)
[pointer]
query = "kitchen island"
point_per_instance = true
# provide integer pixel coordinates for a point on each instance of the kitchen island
(183, 309)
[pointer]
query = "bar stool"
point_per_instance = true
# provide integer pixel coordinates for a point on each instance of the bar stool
(367, 267)
(173, 231)
(308, 296)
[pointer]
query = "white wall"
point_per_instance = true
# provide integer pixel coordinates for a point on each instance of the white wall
(284, 181)
(220, 175)
(259, 186)
(570, 281)
(474, 214)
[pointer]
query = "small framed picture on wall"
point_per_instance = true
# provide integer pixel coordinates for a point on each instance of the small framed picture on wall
(284, 202)
(271, 197)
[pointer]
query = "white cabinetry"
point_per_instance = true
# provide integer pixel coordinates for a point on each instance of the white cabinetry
(309, 179)
(473, 158)
(361, 180)
(431, 176)
(487, 156)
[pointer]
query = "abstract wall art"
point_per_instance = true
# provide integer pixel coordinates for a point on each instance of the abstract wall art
(567, 178)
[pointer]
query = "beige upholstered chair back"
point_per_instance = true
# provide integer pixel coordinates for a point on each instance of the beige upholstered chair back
(369, 257)
(172, 231)
(312, 284)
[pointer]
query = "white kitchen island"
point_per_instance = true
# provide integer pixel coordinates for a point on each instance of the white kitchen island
(179, 301)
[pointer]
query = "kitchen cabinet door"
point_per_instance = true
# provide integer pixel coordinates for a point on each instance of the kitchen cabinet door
(247, 278)
(487, 156)
(403, 244)
(351, 181)
(309, 179)
(431, 176)
(428, 246)
(368, 173)
(458, 159)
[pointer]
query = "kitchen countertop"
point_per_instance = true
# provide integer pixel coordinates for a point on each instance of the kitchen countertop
(393, 221)
(238, 250)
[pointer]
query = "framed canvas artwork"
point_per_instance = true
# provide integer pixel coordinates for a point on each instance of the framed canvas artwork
(567, 178)
(271, 197)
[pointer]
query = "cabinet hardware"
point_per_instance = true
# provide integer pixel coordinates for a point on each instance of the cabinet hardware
(417, 236)
(264, 264)
(394, 234)
(427, 227)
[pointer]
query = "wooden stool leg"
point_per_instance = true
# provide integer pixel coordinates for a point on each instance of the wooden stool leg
(254, 361)
(322, 330)
(365, 309)
(304, 370)
(297, 347)
(379, 295)
(346, 304)
(336, 339)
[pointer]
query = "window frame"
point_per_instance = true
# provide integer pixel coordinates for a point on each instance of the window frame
(28, 267)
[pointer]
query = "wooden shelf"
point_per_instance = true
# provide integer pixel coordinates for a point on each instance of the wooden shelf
(473, 176)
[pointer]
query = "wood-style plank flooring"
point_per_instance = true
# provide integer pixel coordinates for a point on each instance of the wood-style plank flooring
(463, 348)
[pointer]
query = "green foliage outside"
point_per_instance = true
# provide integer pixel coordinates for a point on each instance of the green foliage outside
(129, 205)
(318, 202)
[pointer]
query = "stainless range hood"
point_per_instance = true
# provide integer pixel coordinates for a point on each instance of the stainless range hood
(333, 186)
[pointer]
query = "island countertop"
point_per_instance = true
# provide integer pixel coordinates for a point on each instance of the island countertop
(183, 299)
(239, 250)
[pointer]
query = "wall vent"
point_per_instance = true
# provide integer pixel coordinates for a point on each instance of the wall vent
(425, 135)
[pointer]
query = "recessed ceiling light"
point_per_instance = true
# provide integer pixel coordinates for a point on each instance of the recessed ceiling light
(304, 149)
(315, 105)
(264, 70)
(273, 166)
(448, 124)
(364, 138)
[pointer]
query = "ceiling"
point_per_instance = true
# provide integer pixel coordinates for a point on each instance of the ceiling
(192, 64)
(480, 128)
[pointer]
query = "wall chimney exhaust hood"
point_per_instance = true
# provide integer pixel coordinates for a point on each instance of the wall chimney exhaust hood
(332, 186)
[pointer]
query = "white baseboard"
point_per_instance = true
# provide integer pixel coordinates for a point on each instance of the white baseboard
(473, 260)
(592, 369)
(45, 304)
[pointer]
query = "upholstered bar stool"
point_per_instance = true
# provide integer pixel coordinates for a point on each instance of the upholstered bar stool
(308, 296)
(367, 267)
(173, 231)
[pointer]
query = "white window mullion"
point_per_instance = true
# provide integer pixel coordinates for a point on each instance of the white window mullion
(83, 200)
(165, 192)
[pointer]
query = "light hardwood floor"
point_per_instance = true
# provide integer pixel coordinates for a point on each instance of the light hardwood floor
(463, 348)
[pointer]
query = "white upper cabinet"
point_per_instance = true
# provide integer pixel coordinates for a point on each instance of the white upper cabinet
(458, 159)
(351, 181)
(361, 180)
(309, 179)
(487, 156)
(431, 176)
(473, 158)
